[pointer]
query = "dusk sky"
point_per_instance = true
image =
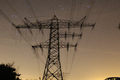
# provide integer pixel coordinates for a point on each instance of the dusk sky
(98, 51)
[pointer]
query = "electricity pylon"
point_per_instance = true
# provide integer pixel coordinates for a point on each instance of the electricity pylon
(53, 69)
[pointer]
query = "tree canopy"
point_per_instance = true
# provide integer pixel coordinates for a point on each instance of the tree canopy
(8, 72)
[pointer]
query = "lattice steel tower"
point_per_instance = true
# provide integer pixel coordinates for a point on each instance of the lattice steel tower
(53, 69)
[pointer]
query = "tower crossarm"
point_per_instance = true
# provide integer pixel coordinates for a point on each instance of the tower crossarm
(41, 45)
(61, 45)
(37, 25)
(65, 45)
(67, 35)
(75, 24)
(62, 24)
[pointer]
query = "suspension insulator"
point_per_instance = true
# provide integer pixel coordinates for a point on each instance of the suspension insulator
(81, 35)
(67, 46)
(41, 47)
(93, 25)
(73, 35)
(65, 35)
(81, 25)
(68, 25)
(76, 46)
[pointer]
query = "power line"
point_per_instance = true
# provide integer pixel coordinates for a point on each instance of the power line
(71, 19)
(91, 32)
(19, 15)
(30, 7)
(10, 21)
(5, 16)
(12, 8)
(89, 10)
(87, 15)
(72, 62)
(102, 10)
(53, 7)
(96, 21)
(72, 9)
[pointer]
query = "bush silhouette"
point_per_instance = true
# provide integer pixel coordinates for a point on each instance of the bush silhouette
(8, 72)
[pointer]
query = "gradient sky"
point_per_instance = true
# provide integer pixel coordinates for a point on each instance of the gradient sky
(98, 53)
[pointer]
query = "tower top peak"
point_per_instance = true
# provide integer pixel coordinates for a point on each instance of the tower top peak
(54, 17)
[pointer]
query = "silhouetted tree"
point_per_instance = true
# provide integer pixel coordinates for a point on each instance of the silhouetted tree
(8, 72)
